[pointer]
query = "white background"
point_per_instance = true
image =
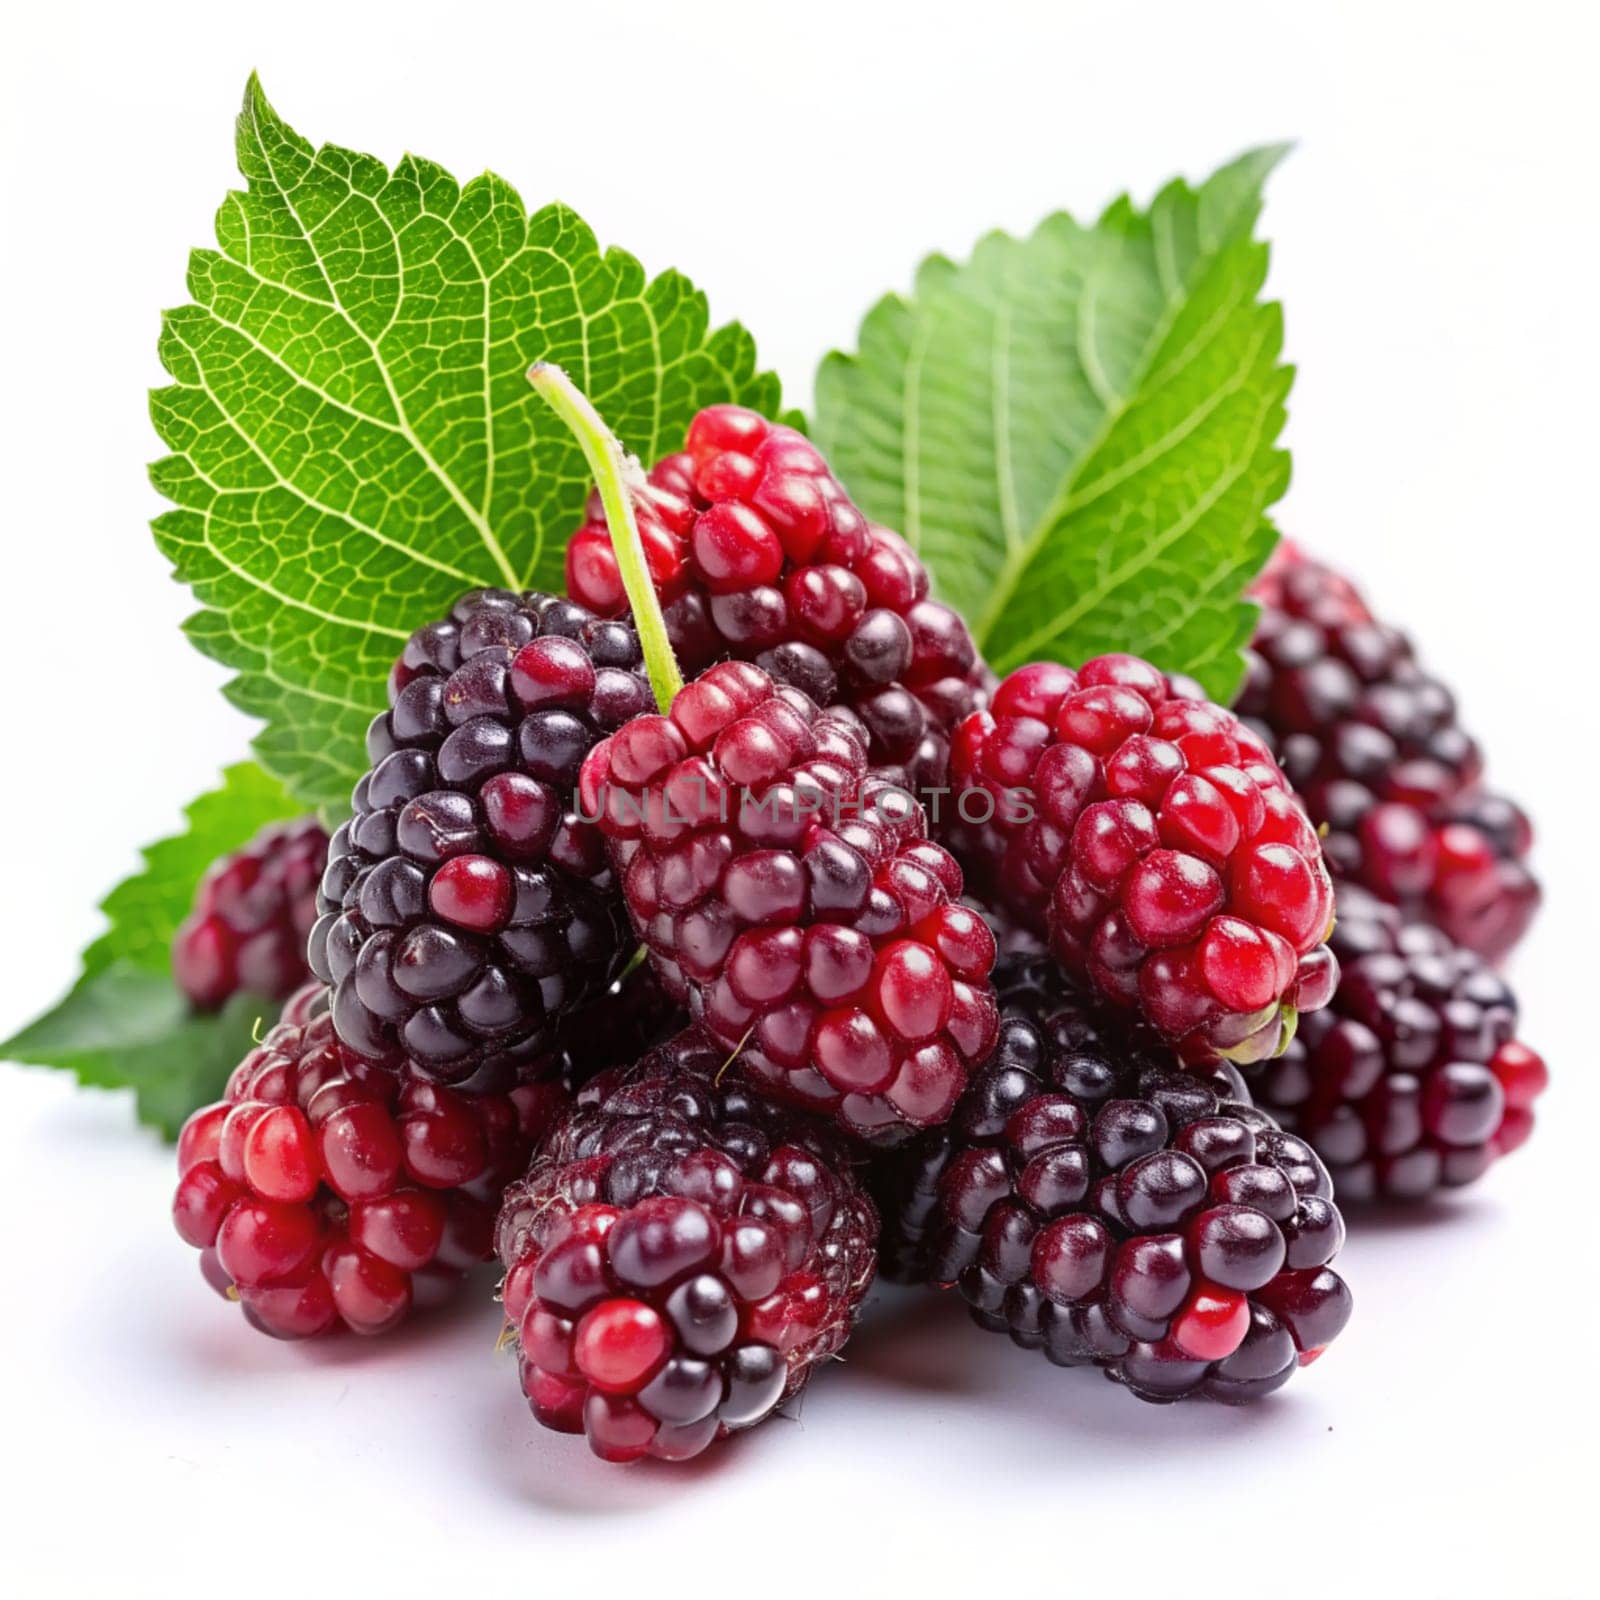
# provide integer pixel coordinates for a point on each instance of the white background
(1434, 244)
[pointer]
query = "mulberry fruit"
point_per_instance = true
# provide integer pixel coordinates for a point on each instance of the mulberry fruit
(758, 554)
(679, 1257)
(326, 1193)
(1412, 1079)
(252, 914)
(796, 905)
(1096, 1202)
(1155, 836)
(1373, 745)
(467, 908)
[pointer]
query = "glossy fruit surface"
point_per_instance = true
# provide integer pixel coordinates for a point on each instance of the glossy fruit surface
(468, 910)
(1102, 1205)
(1154, 836)
(324, 1193)
(1412, 1079)
(795, 904)
(679, 1257)
(252, 914)
(1374, 744)
(758, 554)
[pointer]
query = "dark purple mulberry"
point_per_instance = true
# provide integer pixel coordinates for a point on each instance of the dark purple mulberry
(1373, 745)
(467, 907)
(1412, 1078)
(1097, 1202)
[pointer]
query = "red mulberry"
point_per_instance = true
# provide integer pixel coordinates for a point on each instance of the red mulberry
(759, 554)
(795, 904)
(252, 914)
(327, 1193)
(1155, 835)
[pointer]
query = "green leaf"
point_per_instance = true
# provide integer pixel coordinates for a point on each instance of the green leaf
(124, 1027)
(124, 1023)
(354, 442)
(1076, 429)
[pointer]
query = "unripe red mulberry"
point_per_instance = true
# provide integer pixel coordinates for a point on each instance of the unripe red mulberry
(326, 1193)
(757, 553)
(1154, 834)
(795, 904)
(252, 913)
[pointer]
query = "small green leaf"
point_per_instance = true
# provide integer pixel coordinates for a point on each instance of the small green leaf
(124, 1027)
(1077, 430)
(124, 1023)
(354, 442)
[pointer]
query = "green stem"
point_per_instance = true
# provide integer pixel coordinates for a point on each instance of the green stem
(612, 471)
